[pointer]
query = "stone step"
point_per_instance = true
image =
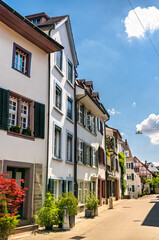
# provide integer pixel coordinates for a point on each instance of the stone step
(26, 228)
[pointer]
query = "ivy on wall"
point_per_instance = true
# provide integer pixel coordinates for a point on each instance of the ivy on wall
(122, 165)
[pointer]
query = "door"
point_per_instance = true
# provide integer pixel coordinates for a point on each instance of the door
(18, 174)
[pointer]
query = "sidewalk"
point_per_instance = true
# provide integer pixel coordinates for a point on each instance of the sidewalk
(79, 218)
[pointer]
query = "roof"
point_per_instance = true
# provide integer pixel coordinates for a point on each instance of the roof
(56, 21)
(28, 30)
(144, 166)
(115, 130)
(99, 105)
(127, 148)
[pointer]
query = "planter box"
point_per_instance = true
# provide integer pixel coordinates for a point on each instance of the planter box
(72, 221)
(89, 213)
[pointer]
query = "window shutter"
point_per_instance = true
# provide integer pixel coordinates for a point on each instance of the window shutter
(39, 120)
(91, 156)
(133, 188)
(91, 122)
(84, 116)
(90, 186)
(64, 186)
(77, 150)
(132, 167)
(98, 120)
(95, 127)
(99, 156)
(84, 153)
(51, 186)
(4, 108)
(96, 159)
(132, 176)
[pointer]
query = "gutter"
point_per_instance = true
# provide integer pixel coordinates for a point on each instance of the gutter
(48, 128)
(75, 143)
(106, 192)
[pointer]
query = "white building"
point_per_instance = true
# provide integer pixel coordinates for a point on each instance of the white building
(152, 167)
(90, 157)
(24, 104)
(61, 124)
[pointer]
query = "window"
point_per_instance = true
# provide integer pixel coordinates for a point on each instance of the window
(70, 71)
(88, 155)
(69, 147)
(12, 112)
(36, 21)
(86, 189)
(58, 97)
(24, 115)
(69, 108)
(88, 120)
(93, 125)
(56, 188)
(57, 142)
(80, 192)
(80, 151)
(81, 114)
(128, 165)
(128, 176)
(59, 59)
(136, 169)
(21, 59)
(94, 157)
(129, 188)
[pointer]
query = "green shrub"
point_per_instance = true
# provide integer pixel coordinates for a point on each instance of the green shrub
(15, 129)
(91, 201)
(67, 200)
(7, 225)
(26, 131)
(48, 215)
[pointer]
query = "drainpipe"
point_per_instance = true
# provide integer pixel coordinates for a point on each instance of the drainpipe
(106, 166)
(48, 128)
(75, 143)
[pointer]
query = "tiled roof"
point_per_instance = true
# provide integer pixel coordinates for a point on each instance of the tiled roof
(55, 20)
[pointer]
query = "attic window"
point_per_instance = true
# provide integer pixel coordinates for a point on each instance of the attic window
(36, 21)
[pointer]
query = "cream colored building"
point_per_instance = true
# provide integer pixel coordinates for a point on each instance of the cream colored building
(24, 102)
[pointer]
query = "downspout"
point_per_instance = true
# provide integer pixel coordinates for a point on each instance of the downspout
(75, 143)
(106, 175)
(48, 129)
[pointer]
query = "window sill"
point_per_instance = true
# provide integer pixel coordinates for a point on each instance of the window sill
(21, 72)
(70, 120)
(20, 135)
(57, 159)
(58, 110)
(85, 165)
(69, 162)
(70, 83)
(58, 69)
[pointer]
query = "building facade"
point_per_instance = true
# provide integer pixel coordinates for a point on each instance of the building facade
(24, 105)
(90, 155)
(61, 124)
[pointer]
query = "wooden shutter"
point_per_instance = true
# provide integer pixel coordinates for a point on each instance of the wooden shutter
(39, 120)
(84, 116)
(99, 156)
(132, 165)
(51, 186)
(133, 188)
(84, 153)
(91, 156)
(4, 108)
(132, 176)
(77, 150)
(64, 186)
(96, 159)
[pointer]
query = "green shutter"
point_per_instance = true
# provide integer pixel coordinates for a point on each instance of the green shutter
(96, 162)
(39, 120)
(133, 188)
(132, 167)
(4, 108)
(84, 153)
(64, 186)
(132, 176)
(51, 186)
(91, 156)
(77, 150)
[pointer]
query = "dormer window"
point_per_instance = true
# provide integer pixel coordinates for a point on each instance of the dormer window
(36, 21)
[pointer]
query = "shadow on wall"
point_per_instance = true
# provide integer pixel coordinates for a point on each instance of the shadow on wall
(152, 219)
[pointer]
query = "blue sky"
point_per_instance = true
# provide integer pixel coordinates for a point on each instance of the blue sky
(123, 66)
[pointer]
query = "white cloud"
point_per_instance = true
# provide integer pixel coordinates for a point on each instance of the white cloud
(150, 126)
(122, 134)
(149, 18)
(134, 104)
(156, 163)
(113, 111)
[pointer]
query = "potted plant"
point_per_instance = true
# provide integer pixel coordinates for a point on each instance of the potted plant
(47, 216)
(70, 201)
(15, 129)
(91, 205)
(26, 131)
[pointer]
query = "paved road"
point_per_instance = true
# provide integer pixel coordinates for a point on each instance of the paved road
(129, 220)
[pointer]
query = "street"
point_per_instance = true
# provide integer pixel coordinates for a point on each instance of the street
(129, 220)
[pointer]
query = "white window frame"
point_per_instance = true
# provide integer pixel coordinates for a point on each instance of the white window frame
(23, 115)
(94, 156)
(61, 67)
(68, 133)
(12, 111)
(70, 62)
(80, 151)
(60, 144)
(71, 100)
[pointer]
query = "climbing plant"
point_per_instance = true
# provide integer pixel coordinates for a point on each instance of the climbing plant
(122, 165)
